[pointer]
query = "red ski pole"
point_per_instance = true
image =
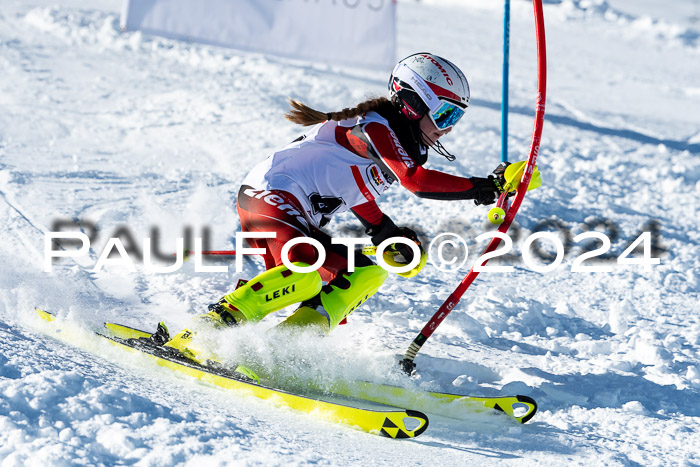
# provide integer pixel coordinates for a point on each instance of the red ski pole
(407, 363)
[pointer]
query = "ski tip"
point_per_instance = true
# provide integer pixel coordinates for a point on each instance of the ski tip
(409, 424)
(524, 409)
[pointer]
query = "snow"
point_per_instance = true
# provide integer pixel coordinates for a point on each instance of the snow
(151, 136)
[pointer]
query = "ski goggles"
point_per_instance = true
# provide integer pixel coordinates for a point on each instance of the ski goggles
(447, 115)
(443, 114)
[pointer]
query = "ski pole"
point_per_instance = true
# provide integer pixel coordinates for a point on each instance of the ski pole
(368, 251)
(407, 364)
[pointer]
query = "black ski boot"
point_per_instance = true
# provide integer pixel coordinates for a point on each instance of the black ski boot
(222, 312)
(161, 336)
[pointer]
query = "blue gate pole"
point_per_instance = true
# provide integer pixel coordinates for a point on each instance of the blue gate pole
(504, 92)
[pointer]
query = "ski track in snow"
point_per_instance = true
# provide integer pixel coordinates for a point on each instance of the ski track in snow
(116, 130)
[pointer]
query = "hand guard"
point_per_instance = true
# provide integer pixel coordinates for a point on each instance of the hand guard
(402, 249)
(398, 254)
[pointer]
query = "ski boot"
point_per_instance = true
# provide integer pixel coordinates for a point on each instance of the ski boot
(161, 336)
(157, 339)
(222, 314)
(337, 299)
(270, 291)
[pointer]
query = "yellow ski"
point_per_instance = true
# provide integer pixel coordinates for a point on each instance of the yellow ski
(391, 422)
(521, 408)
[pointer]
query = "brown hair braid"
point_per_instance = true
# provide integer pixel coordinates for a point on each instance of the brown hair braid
(302, 114)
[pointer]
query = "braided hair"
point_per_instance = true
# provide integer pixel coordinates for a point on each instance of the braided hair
(302, 114)
(407, 131)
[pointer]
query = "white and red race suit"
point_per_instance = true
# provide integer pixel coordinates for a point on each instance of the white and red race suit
(334, 167)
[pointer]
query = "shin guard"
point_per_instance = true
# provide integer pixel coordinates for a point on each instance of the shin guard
(272, 290)
(339, 298)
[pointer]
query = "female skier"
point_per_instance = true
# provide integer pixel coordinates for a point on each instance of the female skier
(346, 161)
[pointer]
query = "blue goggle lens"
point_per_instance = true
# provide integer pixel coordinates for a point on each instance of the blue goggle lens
(447, 115)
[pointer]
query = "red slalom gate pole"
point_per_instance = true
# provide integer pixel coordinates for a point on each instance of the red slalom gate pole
(189, 253)
(407, 363)
(214, 252)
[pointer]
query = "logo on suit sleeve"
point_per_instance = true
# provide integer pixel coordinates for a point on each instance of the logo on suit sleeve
(378, 182)
(401, 151)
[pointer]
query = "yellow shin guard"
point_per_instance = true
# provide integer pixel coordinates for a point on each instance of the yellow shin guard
(271, 291)
(337, 300)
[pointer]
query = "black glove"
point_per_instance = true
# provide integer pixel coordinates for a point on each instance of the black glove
(388, 229)
(486, 190)
(381, 232)
(501, 169)
(499, 172)
(501, 179)
(403, 249)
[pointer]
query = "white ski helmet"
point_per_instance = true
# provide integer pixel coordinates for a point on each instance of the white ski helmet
(425, 83)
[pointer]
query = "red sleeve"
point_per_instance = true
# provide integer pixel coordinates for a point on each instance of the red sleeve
(369, 213)
(422, 182)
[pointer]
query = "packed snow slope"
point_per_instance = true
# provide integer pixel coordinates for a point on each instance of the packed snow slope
(130, 136)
